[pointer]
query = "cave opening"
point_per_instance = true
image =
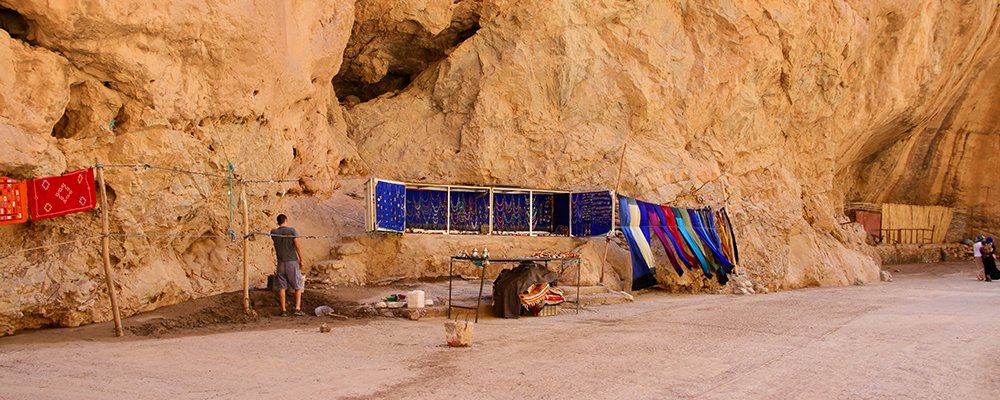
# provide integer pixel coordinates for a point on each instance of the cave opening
(379, 61)
(15, 24)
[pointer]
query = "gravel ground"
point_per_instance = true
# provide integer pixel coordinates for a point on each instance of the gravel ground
(931, 334)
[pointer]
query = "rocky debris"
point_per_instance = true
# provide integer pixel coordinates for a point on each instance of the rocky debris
(324, 328)
(742, 284)
(885, 276)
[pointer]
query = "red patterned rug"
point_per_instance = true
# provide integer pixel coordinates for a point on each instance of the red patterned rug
(60, 195)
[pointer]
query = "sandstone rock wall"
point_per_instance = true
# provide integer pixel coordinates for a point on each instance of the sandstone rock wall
(779, 111)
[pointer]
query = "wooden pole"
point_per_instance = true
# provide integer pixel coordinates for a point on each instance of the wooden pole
(105, 249)
(618, 181)
(246, 247)
(491, 214)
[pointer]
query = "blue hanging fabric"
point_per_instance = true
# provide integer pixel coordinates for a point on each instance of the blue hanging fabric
(637, 236)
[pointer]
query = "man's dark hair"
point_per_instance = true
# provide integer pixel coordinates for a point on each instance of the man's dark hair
(282, 218)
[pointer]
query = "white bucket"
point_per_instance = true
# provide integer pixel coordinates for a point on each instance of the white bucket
(415, 299)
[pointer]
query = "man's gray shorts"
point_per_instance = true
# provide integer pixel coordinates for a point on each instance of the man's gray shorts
(289, 275)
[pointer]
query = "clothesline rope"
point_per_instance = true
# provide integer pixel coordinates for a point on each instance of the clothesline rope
(291, 236)
(143, 166)
(16, 253)
(168, 235)
(269, 180)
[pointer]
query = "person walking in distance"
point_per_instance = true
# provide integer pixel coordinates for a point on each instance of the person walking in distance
(289, 272)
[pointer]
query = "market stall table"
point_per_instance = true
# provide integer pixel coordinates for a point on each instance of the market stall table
(483, 262)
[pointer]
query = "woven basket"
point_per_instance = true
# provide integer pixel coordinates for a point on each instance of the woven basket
(549, 310)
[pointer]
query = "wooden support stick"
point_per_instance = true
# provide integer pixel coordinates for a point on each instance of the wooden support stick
(105, 249)
(618, 181)
(246, 251)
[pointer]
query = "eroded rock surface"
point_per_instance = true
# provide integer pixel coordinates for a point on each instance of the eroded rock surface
(779, 111)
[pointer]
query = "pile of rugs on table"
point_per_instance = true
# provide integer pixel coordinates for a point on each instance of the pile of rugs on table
(542, 299)
(528, 288)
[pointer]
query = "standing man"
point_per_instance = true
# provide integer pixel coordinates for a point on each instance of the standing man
(978, 254)
(289, 272)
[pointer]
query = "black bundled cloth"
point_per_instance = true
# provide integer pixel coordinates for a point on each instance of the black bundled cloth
(512, 282)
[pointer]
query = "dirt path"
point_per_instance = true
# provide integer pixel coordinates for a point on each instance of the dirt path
(931, 334)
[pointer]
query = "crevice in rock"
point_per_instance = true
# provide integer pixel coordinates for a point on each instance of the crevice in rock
(120, 123)
(66, 127)
(60, 130)
(112, 195)
(387, 59)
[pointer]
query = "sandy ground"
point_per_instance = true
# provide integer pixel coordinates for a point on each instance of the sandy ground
(931, 334)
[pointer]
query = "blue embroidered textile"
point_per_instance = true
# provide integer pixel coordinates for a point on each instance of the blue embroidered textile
(510, 212)
(426, 209)
(542, 210)
(470, 211)
(390, 208)
(592, 213)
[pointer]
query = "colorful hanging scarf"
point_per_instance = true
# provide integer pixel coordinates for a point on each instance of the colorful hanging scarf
(684, 227)
(709, 224)
(60, 195)
(732, 235)
(692, 224)
(13, 201)
(637, 235)
(723, 234)
(656, 226)
(691, 237)
(683, 250)
(702, 227)
(675, 242)
(709, 241)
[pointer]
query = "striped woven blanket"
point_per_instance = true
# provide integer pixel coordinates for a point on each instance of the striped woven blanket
(542, 293)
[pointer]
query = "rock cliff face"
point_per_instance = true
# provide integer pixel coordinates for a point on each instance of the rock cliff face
(779, 111)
